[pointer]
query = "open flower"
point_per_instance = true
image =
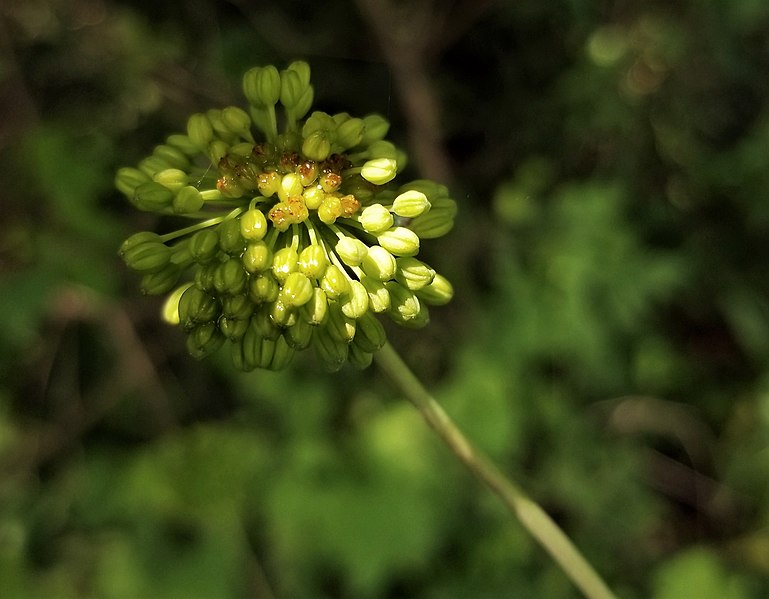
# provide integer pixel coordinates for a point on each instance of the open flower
(302, 234)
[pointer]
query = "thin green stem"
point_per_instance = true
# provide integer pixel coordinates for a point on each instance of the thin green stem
(529, 513)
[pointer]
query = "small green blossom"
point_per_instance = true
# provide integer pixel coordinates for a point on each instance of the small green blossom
(300, 237)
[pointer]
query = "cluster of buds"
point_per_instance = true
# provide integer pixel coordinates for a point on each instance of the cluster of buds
(301, 236)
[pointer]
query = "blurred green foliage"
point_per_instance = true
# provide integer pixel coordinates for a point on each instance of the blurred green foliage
(608, 344)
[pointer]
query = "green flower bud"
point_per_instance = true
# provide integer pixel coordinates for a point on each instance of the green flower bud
(301, 68)
(405, 307)
(204, 245)
(378, 296)
(200, 131)
(263, 288)
(299, 335)
(173, 156)
(197, 306)
(170, 310)
(237, 307)
(181, 254)
(431, 189)
(359, 358)
(305, 102)
(152, 197)
(216, 151)
(253, 225)
(290, 186)
(379, 170)
(330, 209)
(230, 239)
(187, 200)
(268, 183)
(282, 314)
(317, 146)
(437, 222)
(237, 121)
(284, 263)
(128, 179)
(351, 250)
(258, 350)
(383, 149)
(355, 303)
(138, 239)
(204, 340)
(399, 241)
(413, 274)
(370, 335)
(291, 88)
(262, 323)
(375, 128)
(161, 281)
(230, 277)
(152, 165)
(334, 282)
(297, 290)
(315, 311)
(376, 219)
(339, 326)
(379, 263)
(312, 261)
(238, 358)
(282, 355)
(318, 121)
(182, 143)
(350, 133)
(257, 257)
(147, 257)
(233, 328)
(437, 293)
(330, 351)
(313, 197)
(410, 204)
(204, 276)
(261, 86)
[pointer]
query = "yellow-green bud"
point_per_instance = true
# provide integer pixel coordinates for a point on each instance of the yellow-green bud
(284, 263)
(128, 179)
(355, 304)
(237, 307)
(290, 185)
(230, 277)
(282, 355)
(262, 323)
(257, 257)
(187, 200)
(263, 288)
(261, 86)
(378, 296)
(204, 245)
(332, 352)
(413, 274)
(313, 261)
(315, 311)
(173, 156)
(230, 239)
(204, 276)
(299, 335)
(334, 282)
(268, 183)
(282, 314)
(376, 219)
(147, 257)
(200, 131)
(350, 133)
(204, 340)
(155, 283)
(399, 241)
(411, 204)
(369, 334)
(301, 68)
(217, 150)
(313, 197)
(233, 328)
(237, 121)
(379, 263)
(253, 225)
(171, 178)
(297, 290)
(375, 128)
(339, 326)
(358, 358)
(405, 307)
(383, 149)
(317, 146)
(152, 197)
(138, 239)
(153, 164)
(351, 250)
(379, 170)
(182, 143)
(197, 306)
(437, 293)
(438, 221)
(305, 102)
(170, 310)
(330, 209)
(291, 88)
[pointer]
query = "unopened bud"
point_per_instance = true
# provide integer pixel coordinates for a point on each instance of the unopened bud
(317, 146)
(200, 131)
(351, 250)
(437, 293)
(261, 86)
(253, 225)
(376, 219)
(187, 200)
(204, 245)
(297, 290)
(399, 241)
(378, 296)
(379, 263)
(413, 274)
(128, 179)
(152, 197)
(284, 263)
(204, 340)
(313, 261)
(334, 282)
(375, 128)
(411, 204)
(379, 170)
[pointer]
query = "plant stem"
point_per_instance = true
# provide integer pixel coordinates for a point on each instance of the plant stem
(547, 533)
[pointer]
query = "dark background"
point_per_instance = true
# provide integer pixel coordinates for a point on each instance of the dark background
(607, 345)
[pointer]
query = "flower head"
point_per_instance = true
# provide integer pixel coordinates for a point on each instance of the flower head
(302, 234)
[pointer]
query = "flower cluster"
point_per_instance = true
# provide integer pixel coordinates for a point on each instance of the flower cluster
(302, 234)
